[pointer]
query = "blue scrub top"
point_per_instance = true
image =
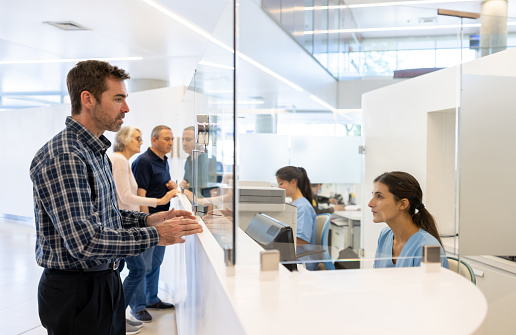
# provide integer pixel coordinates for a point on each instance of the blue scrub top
(412, 250)
(306, 224)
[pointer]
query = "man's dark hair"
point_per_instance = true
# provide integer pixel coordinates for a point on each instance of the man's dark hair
(91, 76)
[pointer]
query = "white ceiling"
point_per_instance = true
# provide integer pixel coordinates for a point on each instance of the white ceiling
(170, 51)
(118, 28)
(126, 28)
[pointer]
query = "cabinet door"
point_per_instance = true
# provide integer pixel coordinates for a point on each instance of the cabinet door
(338, 240)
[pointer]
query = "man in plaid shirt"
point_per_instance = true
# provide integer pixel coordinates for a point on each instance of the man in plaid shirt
(81, 233)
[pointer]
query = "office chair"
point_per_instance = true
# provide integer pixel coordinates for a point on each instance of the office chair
(319, 251)
(465, 270)
(322, 232)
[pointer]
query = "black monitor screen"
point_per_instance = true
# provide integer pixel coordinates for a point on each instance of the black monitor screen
(270, 234)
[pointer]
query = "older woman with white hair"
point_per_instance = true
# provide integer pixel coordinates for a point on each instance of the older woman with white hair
(127, 143)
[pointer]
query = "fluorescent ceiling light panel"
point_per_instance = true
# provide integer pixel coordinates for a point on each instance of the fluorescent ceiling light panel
(187, 24)
(269, 71)
(208, 36)
(220, 66)
(242, 102)
(66, 60)
(261, 111)
(386, 4)
(322, 103)
(219, 91)
(380, 29)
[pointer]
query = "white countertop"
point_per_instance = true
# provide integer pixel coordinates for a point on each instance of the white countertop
(374, 301)
(366, 301)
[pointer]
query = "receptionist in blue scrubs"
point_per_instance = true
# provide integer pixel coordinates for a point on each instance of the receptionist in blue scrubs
(398, 201)
(296, 184)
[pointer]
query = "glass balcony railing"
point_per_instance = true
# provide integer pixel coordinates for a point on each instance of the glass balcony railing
(363, 39)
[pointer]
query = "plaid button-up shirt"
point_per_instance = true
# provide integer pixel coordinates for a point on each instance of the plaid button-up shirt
(78, 222)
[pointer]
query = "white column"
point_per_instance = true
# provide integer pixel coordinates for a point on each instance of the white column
(493, 31)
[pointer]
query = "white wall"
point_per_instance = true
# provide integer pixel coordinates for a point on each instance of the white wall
(395, 124)
(440, 169)
(396, 137)
(25, 131)
(402, 131)
(326, 159)
(350, 91)
(488, 164)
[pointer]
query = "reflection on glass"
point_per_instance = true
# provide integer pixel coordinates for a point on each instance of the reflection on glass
(488, 249)
(208, 144)
(431, 144)
(326, 145)
(208, 173)
(206, 168)
(348, 43)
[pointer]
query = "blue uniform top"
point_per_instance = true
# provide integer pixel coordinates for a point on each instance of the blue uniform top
(305, 220)
(412, 250)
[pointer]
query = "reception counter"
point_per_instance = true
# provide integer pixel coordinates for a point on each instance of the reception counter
(210, 299)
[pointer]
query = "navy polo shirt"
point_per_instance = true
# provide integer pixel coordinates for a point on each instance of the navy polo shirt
(151, 174)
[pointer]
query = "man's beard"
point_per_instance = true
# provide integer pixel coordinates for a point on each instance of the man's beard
(103, 120)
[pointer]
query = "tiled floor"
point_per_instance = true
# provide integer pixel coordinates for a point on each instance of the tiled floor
(19, 277)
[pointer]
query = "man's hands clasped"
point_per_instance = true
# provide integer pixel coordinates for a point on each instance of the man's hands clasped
(172, 225)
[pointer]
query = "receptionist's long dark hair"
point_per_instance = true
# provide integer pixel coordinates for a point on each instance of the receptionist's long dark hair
(404, 186)
(299, 174)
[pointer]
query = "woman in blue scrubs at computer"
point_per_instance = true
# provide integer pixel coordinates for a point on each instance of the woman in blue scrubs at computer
(398, 201)
(296, 184)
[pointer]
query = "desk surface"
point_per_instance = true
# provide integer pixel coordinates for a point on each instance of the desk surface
(373, 301)
(366, 301)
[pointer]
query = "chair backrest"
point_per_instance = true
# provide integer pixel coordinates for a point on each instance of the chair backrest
(462, 268)
(323, 226)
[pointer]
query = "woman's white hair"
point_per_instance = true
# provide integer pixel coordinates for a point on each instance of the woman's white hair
(123, 137)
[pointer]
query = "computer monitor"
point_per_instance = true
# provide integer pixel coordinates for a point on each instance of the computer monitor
(270, 233)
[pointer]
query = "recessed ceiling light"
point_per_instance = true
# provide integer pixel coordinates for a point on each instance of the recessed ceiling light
(66, 25)
(385, 4)
(220, 66)
(322, 103)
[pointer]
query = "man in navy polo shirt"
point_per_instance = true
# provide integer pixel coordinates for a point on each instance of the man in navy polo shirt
(152, 174)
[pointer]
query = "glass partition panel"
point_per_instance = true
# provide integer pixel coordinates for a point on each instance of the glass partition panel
(379, 39)
(209, 140)
(410, 127)
(486, 163)
(327, 146)
(406, 127)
